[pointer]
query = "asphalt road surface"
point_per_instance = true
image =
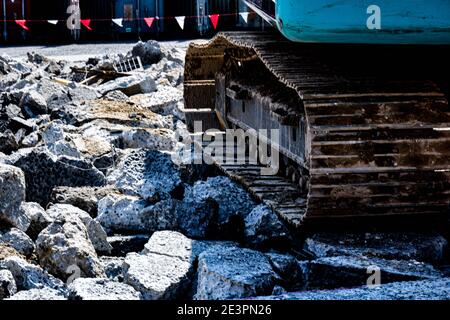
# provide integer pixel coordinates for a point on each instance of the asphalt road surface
(80, 52)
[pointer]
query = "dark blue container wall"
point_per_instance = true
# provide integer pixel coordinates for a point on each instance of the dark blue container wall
(40, 30)
(137, 10)
(228, 10)
(19, 9)
(101, 12)
(129, 15)
(174, 8)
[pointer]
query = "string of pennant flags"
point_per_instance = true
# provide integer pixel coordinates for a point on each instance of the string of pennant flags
(214, 18)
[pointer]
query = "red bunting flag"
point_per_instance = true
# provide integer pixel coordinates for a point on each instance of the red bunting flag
(86, 23)
(149, 21)
(22, 23)
(214, 19)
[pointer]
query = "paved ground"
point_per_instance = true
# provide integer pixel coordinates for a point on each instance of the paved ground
(78, 52)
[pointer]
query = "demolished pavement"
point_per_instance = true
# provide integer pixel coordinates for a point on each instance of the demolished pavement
(93, 207)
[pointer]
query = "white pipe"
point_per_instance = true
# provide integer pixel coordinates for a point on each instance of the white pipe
(138, 14)
(157, 14)
(5, 32)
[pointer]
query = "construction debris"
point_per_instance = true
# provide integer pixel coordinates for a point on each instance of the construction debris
(89, 187)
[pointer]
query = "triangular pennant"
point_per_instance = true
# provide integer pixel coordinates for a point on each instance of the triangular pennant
(22, 23)
(54, 22)
(149, 21)
(214, 19)
(118, 21)
(244, 16)
(180, 21)
(86, 23)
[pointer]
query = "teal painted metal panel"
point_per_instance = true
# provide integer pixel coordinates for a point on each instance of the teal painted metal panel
(365, 21)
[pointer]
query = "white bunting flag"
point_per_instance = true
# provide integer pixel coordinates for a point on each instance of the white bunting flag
(244, 16)
(180, 21)
(54, 22)
(118, 21)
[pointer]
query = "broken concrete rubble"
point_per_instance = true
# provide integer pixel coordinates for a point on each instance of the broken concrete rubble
(168, 277)
(94, 147)
(7, 251)
(234, 273)
(58, 142)
(85, 198)
(194, 218)
(155, 139)
(263, 228)
(175, 244)
(101, 289)
(149, 52)
(31, 140)
(163, 101)
(122, 245)
(36, 58)
(18, 240)
(435, 289)
(39, 219)
(120, 213)
(289, 269)
(32, 104)
(347, 271)
(116, 112)
(117, 95)
(44, 171)
(166, 267)
(64, 247)
(7, 284)
(113, 267)
(4, 68)
(53, 68)
(426, 247)
(8, 142)
(78, 92)
(12, 194)
(55, 94)
(146, 173)
(130, 85)
(233, 205)
(44, 294)
(160, 216)
(95, 231)
(29, 276)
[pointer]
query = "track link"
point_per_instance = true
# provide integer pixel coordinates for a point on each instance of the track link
(376, 143)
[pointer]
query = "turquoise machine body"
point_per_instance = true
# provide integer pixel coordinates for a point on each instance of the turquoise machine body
(365, 21)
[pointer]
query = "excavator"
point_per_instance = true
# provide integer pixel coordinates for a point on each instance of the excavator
(357, 91)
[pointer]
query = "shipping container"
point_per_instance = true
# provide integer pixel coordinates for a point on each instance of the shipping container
(175, 9)
(41, 11)
(9, 12)
(134, 12)
(197, 16)
(101, 13)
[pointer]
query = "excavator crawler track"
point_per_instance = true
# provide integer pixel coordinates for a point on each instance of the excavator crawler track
(366, 140)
